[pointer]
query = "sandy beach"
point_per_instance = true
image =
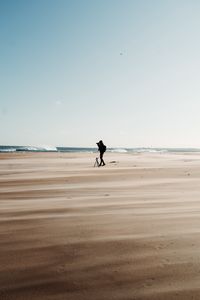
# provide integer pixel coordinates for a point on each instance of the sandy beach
(129, 230)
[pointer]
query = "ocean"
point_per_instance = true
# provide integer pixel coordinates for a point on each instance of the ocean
(5, 149)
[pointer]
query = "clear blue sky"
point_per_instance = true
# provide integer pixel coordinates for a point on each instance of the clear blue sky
(74, 72)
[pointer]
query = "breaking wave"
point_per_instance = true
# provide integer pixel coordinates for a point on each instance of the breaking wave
(27, 149)
(118, 150)
(7, 149)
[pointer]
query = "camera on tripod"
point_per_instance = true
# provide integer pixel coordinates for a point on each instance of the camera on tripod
(96, 163)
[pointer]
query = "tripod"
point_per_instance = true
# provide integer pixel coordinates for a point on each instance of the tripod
(96, 163)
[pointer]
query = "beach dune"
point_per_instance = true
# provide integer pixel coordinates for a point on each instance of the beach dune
(129, 230)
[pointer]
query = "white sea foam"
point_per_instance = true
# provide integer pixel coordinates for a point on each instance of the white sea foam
(48, 148)
(8, 150)
(36, 148)
(119, 150)
(148, 150)
(28, 148)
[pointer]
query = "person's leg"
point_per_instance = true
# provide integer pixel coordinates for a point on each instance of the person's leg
(101, 158)
(102, 163)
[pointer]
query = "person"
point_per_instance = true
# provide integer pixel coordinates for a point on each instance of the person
(102, 150)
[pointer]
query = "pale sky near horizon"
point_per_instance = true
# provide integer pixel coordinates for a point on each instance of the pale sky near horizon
(74, 72)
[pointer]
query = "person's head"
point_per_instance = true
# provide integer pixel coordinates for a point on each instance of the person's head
(99, 143)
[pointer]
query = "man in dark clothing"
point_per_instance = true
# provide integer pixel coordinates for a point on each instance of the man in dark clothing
(102, 149)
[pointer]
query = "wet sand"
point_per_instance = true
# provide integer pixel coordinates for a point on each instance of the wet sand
(129, 230)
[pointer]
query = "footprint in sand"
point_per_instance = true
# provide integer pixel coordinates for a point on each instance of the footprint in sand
(61, 269)
(150, 281)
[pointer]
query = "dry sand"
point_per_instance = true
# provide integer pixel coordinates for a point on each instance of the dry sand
(129, 230)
